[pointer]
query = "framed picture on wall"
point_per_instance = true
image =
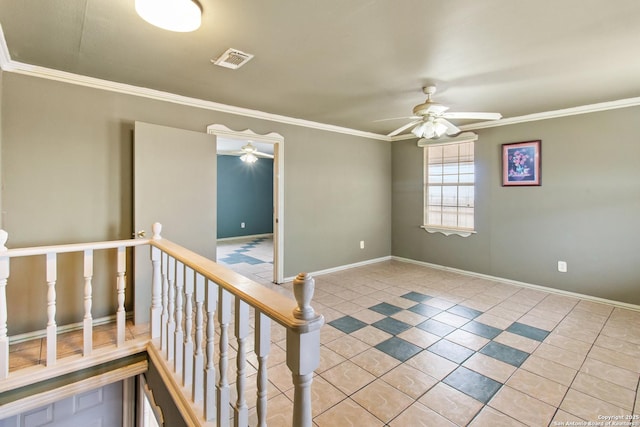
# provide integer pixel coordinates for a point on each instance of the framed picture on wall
(521, 163)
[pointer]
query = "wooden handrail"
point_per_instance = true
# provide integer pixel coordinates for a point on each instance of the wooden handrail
(276, 306)
(72, 247)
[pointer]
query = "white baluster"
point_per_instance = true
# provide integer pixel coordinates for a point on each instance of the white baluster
(197, 390)
(4, 339)
(171, 324)
(88, 319)
(164, 318)
(179, 335)
(242, 330)
(263, 347)
(224, 317)
(121, 314)
(51, 309)
(210, 389)
(187, 367)
(303, 350)
(156, 288)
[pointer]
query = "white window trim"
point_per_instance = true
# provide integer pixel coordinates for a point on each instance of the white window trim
(463, 137)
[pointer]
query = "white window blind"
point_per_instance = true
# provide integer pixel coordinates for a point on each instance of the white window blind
(449, 186)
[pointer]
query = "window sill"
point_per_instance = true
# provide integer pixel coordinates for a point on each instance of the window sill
(448, 231)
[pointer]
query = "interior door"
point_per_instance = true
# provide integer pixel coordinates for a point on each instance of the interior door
(175, 185)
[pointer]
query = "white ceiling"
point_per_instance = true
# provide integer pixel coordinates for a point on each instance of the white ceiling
(349, 63)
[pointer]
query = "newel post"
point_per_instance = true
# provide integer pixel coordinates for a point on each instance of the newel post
(303, 349)
(156, 283)
(4, 275)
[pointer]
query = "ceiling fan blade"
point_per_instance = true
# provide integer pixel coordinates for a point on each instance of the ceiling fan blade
(404, 127)
(451, 128)
(472, 116)
(261, 154)
(230, 152)
(397, 118)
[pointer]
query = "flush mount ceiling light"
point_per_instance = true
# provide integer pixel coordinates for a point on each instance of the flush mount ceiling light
(174, 15)
(249, 158)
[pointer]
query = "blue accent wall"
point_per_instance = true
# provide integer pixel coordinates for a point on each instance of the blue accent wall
(245, 194)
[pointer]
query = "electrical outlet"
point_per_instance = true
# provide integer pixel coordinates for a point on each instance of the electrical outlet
(242, 225)
(361, 244)
(562, 266)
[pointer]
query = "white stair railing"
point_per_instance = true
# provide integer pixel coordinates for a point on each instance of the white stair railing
(191, 295)
(223, 295)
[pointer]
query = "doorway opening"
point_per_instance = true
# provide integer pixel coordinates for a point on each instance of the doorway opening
(256, 255)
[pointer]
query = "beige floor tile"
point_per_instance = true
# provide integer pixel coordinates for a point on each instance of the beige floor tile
(544, 314)
(604, 390)
(348, 377)
(489, 417)
(619, 376)
(495, 321)
(375, 361)
(451, 404)
(558, 304)
(620, 360)
(587, 407)
(328, 359)
(451, 319)
(366, 301)
(576, 346)
(279, 412)
(618, 345)
(536, 386)
(419, 337)
(409, 380)
(432, 364)
(467, 339)
(347, 307)
(522, 407)
(517, 341)
(346, 414)
(490, 367)
(401, 302)
(550, 370)
(279, 375)
(382, 400)
(328, 333)
(368, 316)
(347, 346)
(440, 303)
(371, 335)
(409, 317)
(564, 418)
(504, 313)
(513, 305)
(576, 332)
(594, 308)
(480, 303)
(560, 355)
(418, 415)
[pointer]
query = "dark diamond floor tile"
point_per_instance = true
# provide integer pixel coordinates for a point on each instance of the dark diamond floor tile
(385, 308)
(507, 354)
(416, 296)
(463, 311)
(473, 384)
(437, 328)
(481, 329)
(425, 310)
(347, 324)
(398, 348)
(391, 325)
(528, 331)
(452, 351)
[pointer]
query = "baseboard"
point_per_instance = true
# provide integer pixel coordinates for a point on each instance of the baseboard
(522, 284)
(252, 236)
(343, 267)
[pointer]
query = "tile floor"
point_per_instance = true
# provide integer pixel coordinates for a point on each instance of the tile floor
(407, 345)
(249, 256)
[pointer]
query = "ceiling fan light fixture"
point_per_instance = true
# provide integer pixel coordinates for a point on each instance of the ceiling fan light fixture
(181, 16)
(249, 158)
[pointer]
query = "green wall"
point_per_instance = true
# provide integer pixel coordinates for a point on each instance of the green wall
(245, 194)
(66, 162)
(585, 212)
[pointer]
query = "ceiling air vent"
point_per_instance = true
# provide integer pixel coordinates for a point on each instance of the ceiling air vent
(233, 59)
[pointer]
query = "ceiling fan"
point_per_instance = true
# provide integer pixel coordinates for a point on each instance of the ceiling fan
(431, 119)
(248, 153)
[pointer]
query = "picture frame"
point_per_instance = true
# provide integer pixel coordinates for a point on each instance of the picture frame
(521, 164)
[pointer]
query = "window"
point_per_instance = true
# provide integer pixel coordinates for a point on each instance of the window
(449, 188)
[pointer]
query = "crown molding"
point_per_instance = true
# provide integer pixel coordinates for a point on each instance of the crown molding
(9, 65)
